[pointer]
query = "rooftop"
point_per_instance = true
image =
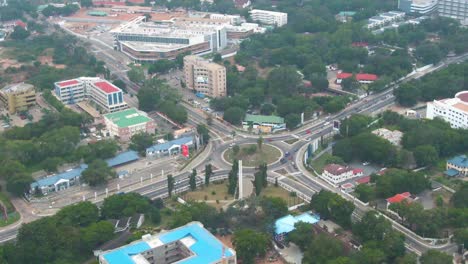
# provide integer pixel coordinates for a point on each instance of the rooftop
(336, 169)
(359, 76)
(67, 83)
(463, 96)
(122, 158)
(460, 101)
(167, 145)
(363, 180)
(398, 198)
(459, 161)
(286, 224)
(17, 87)
(205, 248)
(259, 119)
(128, 117)
(106, 87)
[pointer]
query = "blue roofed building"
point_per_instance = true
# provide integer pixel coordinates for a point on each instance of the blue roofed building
(172, 147)
(189, 244)
(285, 224)
(457, 166)
(64, 180)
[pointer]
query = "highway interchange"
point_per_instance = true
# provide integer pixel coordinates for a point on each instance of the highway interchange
(305, 184)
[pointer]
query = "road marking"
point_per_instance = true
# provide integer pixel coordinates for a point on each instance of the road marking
(296, 173)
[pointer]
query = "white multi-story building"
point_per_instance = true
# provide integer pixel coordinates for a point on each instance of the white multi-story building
(456, 9)
(104, 94)
(335, 173)
(385, 19)
(278, 19)
(452, 110)
(424, 7)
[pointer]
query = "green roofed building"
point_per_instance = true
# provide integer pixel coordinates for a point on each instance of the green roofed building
(124, 124)
(97, 13)
(264, 123)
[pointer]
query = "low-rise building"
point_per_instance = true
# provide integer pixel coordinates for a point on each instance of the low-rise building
(457, 166)
(385, 19)
(205, 77)
(263, 123)
(336, 174)
(127, 123)
(452, 110)
(285, 224)
(363, 78)
(394, 136)
(398, 198)
(278, 19)
(18, 97)
(190, 243)
(105, 95)
(172, 147)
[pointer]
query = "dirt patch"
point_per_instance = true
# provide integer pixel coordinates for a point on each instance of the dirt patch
(48, 60)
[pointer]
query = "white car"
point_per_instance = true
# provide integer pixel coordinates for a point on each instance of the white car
(232, 145)
(365, 163)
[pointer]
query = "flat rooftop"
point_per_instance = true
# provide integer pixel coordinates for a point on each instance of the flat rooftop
(106, 87)
(67, 83)
(17, 87)
(128, 117)
(153, 47)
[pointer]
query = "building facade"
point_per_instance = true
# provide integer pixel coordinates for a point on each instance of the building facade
(452, 110)
(385, 19)
(278, 19)
(335, 173)
(263, 123)
(106, 96)
(363, 78)
(205, 77)
(18, 97)
(456, 9)
(424, 7)
(190, 243)
(127, 123)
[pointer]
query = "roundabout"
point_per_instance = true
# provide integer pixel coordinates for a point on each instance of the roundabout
(251, 155)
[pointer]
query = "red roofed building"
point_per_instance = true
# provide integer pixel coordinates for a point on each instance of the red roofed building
(20, 23)
(360, 44)
(106, 87)
(363, 180)
(335, 173)
(398, 198)
(363, 78)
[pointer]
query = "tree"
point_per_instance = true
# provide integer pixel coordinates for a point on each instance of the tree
(97, 173)
(173, 111)
(302, 235)
(170, 184)
(97, 233)
(140, 142)
(136, 74)
(365, 192)
(121, 84)
(233, 177)
(283, 80)
(370, 255)
(127, 204)
(19, 33)
(461, 236)
(274, 207)
(208, 173)
(292, 120)
(260, 142)
(235, 150)
(193, 180)
(234, 115)
(203, 131)
(354, 125)
(148, 98)
(460, 198)
(426, 155)
(257, 182)
(322, 249)
(331, 205)
(250, 244)
(428, 53)
(435, 257)
(86, 3)
(217, 58)
(350, 84)
(80, 214)
(267, 109)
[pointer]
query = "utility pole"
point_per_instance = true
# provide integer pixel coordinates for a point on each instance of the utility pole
(241, 188)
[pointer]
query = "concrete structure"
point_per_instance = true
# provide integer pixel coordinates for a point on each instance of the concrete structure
(18, 97)
(394, 136)
(285, 224)
(345, 16)
(457, 166)
(456, 9)
(363, 78)
(263, 123)
(278, 19)
(172, 147)
(385, 19)
(127, 123)
(452, 110)
(240, 181)
(336, 174)
(145, 41)
(424, 7)
(188, 244)
(205, 77)
(106, 96)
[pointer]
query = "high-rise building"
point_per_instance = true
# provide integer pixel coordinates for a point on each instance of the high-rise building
(18, 97)
(278, 19)
(424, 7)
(456, 9)
(452, 110)
(205, 77)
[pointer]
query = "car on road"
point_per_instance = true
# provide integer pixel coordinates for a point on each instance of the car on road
(308, 131)
(286, 154)
(269, 139)
(283, 160)
(326, 124)
(232, 145)
(365, 163)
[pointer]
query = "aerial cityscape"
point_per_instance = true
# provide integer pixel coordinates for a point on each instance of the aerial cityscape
(233, 131)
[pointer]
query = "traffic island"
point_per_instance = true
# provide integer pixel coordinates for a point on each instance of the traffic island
(251, 155)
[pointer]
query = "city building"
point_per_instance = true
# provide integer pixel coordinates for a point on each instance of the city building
(18, 97)
(335, 173)
(398, 198)
(205, 77)
(452, 110)
(106, 96)
(424, 7)
(278, 19)
(263, 123)
(394, 136)
(285, 224)
(172, 147)
(457, 166)
(190, 243)
(147, 41)
(127, 123)
(65, 180)
(384, 19)
(345, 16)
(363, 78)
(456, 9)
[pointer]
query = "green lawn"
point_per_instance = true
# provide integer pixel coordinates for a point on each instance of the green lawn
(215, 191)
(279, 192)
(12, 217)
(319, 163)
(6, 201)
(291, 141)
(267, 154)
